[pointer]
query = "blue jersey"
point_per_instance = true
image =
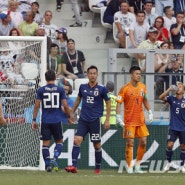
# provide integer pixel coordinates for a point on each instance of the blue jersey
(177, 113)
(92, 101)
(51, 96)
(70, 103)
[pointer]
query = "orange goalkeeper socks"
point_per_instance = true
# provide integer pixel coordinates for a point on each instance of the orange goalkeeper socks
(129, 154)
(140, 152)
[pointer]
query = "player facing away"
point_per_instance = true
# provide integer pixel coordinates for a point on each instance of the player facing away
(134, 95)
(92, 96)
(177, 123)
(52, 98)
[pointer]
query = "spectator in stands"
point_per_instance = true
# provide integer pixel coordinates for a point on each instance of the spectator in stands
(50, 28)
(168, 17)
(28, 27)
(135, 5)
(111, 9)
(180, 58)
(76, 10)
(150, 43)
(161, 4)
(161, 60)
(68, 90)
(14, 32)
(15, 15)
(24, 6)
(163, 34)
(2, 119)
(61, 39)
(55, 61)
(176, 71)
(35, 9)
(179, 6)
(150, 16)
(73, 62)
(123, 20)
(102, 3)
(4, 5)
(41, 32)
(178, 32)
(138, 32)
(6, 23)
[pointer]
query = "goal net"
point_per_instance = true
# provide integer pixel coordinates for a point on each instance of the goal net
(22, 68)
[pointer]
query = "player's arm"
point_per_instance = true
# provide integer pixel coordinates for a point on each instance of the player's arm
(66, 107)
(165, 93)
(119, 120)
(148, 108)
(35, 112)
(108, 110)
(75, 106)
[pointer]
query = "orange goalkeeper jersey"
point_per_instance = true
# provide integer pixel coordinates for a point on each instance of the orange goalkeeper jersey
(133, 103)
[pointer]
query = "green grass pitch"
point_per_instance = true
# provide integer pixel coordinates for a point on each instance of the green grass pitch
(87, 177)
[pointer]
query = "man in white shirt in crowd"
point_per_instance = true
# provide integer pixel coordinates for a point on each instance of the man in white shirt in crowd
(123, 19)
(138, 31)
(150, 16)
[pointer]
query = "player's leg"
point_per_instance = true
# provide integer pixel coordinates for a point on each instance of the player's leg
(82, 130)
(141, 133)
(182, 148)
(56, 130)
(172, 136)
(129, 134)
(46, 137)
(95, 136)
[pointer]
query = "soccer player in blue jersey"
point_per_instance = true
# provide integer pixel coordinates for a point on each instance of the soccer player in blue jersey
(92, 96)
(177, 123)
(51, 97)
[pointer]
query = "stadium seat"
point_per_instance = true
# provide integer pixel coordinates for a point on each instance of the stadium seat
(106, 25)
(115, 31)
(94, 9)
(128, 43)
(80, 81)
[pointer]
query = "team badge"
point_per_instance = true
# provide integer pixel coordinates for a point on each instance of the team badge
(183, 105)
(96, 92)
(142, 93)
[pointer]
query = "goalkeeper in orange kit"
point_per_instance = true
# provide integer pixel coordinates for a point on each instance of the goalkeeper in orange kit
(133, 96)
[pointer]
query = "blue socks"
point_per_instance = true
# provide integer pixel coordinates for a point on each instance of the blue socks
(46, 155)
(182, 157)
(75, 154)
(98, 157)
(58, 150)
(169, 154)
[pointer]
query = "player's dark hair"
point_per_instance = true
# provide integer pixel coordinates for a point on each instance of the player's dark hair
(134, 68)
(50, 75)
(92, 67)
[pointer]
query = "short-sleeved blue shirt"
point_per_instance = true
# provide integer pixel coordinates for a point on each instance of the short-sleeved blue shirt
(177, 113)
(92, 101)
(51, 96)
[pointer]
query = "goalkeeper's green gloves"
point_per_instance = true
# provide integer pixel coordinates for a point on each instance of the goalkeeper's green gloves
(150, 116)
(119, 121)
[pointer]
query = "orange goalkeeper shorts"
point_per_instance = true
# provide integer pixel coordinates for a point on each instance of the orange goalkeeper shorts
(131, 132)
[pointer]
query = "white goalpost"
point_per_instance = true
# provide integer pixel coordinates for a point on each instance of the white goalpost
(22, 69)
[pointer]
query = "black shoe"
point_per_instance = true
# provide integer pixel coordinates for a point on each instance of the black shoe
(49, 169)
(58, 8)
(76, 25)
(80, 15)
